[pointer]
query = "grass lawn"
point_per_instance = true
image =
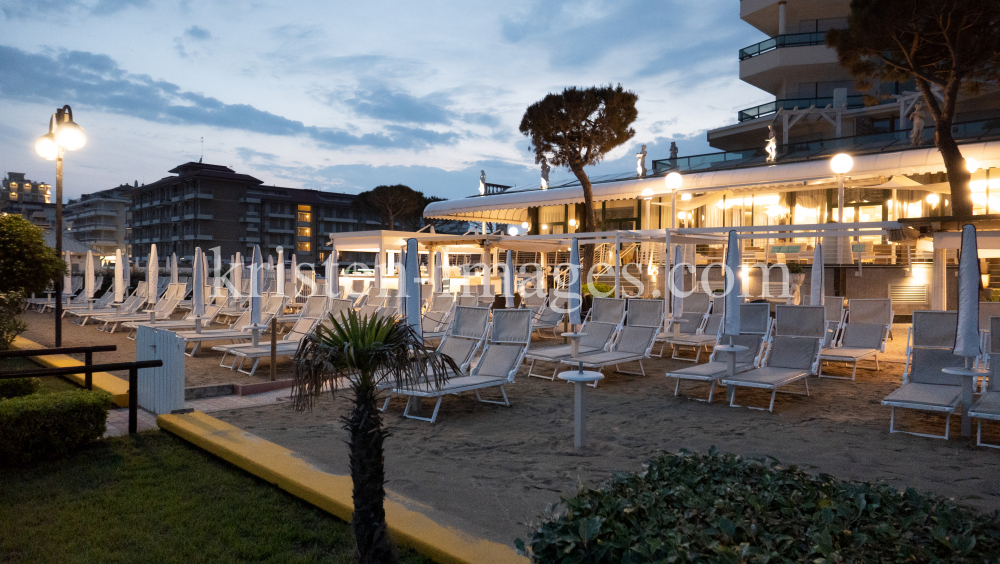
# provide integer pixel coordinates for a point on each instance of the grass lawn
(47, 384)
(154, 498)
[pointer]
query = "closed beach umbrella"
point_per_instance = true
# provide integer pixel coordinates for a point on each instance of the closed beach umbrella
(487, 271)
(412, 267)
(967, 337)
(279, 274)
(216, 273)
(438, 273)
(678, 283)
(173, 268)
(198, 297)
(128, 270)
(508, 280)
(67, 278)
(401, 286)
(817, 281)
(152, 274)
(732, 318)
(119, 278)
(378, 274)
(204, 267)
(256, 283)
(294, 276)
(236, 273)
(575, 284)
(332, 274)
(88, 275)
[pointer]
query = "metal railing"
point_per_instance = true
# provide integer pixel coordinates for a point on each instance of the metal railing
(87, 370)
(854, 101)
(779, 41)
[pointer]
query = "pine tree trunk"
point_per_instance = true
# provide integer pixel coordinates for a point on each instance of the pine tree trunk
(958, 172)
(371, 537)
(589, 221)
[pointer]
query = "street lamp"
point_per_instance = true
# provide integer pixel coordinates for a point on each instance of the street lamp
(674, 181)
(64, 135)
(841, 164)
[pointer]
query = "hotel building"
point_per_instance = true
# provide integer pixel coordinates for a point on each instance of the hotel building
(100, 220)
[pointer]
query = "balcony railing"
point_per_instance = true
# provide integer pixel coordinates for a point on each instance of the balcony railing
(967, 132)
(789, 40)
(853, 102)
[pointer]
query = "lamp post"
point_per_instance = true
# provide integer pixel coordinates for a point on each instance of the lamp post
(64, 135)
(674, 181)
(841, 164)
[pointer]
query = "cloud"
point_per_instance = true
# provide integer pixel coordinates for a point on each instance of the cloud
(108, 7)
(197, 33)
(248, 154)
(386, 104)
(98, 81)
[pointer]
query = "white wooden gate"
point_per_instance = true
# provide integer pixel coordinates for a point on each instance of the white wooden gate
(161, 390)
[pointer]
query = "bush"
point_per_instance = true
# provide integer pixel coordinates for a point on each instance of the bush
(11, 306)
(50, 425)
(18, 387)
(696, 508)
(26, 262)
(598, 288)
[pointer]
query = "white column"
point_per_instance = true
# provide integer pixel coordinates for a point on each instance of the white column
(542, 265)
(781, 19)
(673, 212)
(841, 241)
(488, 270)
(939, 280)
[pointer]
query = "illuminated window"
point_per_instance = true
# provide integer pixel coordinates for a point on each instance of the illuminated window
(305, 217)
(305, 232)
(305, 208)
(304, 246)
(13, 185)
(13, 195)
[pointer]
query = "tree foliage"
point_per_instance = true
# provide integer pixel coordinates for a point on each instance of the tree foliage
(26, 263)
(371, 354)
(395, 204)
(948, 45)
(577, 128)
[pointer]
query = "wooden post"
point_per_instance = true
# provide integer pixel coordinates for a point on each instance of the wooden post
(88, 377)
(274, 348)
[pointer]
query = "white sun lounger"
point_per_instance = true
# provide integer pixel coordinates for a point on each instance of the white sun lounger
(795, 345)
(434, 321)
(550, 316)
(988, 406)
(859, 341)
(509, 337)
(836, 316)
(287, 346)
(873, 311)
(704, 337)
(755, 328)
(634, 342)
(930, 345)
(187, 322)
(239, 331)
(135, 300)
(601, 326)
(689, 324)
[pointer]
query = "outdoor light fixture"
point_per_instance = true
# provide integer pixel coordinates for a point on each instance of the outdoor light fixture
(986, 280)
(647, 194)
(545, 227)
(972, 165)
(686, 196)
(681, 215)
(933, 199)
(572, 223)
(64, 135)
(841, 163)
(512, 230)
(524, 224)
(674, 180)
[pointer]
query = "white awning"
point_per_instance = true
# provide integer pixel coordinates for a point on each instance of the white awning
(512, 207)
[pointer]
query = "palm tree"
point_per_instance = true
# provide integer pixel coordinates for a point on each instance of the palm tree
(372, 354)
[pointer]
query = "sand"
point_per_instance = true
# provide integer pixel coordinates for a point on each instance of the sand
(490, 469)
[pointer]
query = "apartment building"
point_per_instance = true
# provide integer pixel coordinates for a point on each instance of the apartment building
(30, 199)
(100, 220)
(207, 206)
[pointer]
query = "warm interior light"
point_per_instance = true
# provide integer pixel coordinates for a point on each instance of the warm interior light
(685, 197)
(572, 223)
(524, 224)
(986, 280)
(681, 215)
(512, 230)
(972, 164)
(674, 180)
(46, 147)
(841, 163)
(647, 193)
(933, 199)
(721, 204)
(545, 227)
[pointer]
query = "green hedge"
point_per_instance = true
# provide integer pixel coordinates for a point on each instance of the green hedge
(17, 387)
(50, 425)
(696, 508)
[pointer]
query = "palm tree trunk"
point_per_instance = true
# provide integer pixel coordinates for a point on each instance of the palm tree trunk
(954, 162)
(367, 436)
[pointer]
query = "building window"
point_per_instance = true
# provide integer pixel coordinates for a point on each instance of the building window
(305, 217)
(304, 246)
(305, 232)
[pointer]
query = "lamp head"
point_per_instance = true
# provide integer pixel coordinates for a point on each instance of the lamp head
(972, 165)
(572, 223)
(512, 230)
(69, 135)
(685, 196)
(841, 163)
(46, 147)
(674, 180)
(524, 224)
(647, 194)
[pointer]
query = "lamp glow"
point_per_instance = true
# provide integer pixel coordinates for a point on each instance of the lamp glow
(647, 194)
(46, 147)
(545, 227)
(572, 223)
(986, 280)
(933, 199)
(524, 224)
(681, 215)
(512, 230)
(674, 180)
(841, 163)
(685, 197)
(70, 136)
(972, 165)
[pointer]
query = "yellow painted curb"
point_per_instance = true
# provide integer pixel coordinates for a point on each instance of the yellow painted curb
(114, 385)
(332, 493)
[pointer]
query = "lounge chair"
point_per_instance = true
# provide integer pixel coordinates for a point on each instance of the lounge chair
(161, 311)
(313, 308)
(130, 305)
(550, 316)
(874, 312)
(287, 346)
(186, 322)
(602, 324)
(988, 406)
(434, 321)
(858, 342)
(836, 316)
(510, 334)
(930, 346)
(986, 311)
(690, 323)
(704, 337)
(755, 328)
(634, 342)
(239, 331)
(795, 346)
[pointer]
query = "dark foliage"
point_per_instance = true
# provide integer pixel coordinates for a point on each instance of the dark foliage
(26, 263)
(17, 387)
(43, 426)
(696, 508)
(11, 325)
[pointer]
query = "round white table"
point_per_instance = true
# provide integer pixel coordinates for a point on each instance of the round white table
(580, 379)
(968, 378)
(731, 367)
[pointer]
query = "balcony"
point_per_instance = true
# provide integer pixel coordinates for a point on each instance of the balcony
(853, 102)
(249, 200)
(281, 215)
(789, 40)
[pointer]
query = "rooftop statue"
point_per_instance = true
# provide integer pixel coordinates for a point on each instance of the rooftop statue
(482, 182)
(772, 145)
(545, 174)
(640, 164)
(917, 117)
